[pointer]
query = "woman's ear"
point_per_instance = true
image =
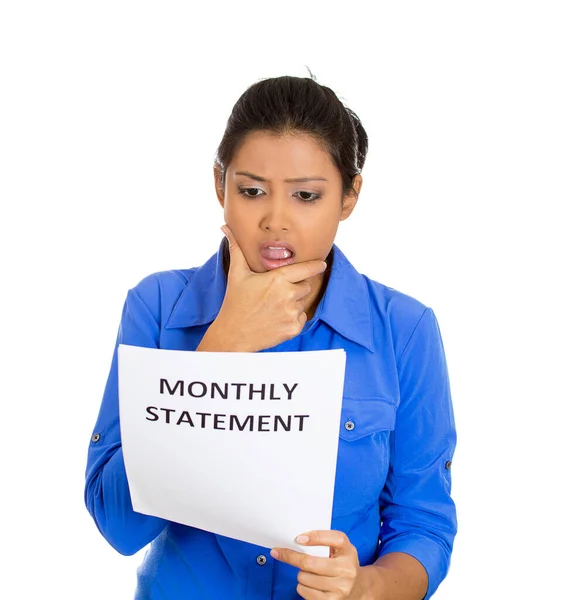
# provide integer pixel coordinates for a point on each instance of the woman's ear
(350, 200)
(219, 184)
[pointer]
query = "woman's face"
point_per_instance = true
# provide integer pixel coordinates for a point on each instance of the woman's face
(262, 207)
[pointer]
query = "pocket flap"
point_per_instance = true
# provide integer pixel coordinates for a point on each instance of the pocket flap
(364, 416)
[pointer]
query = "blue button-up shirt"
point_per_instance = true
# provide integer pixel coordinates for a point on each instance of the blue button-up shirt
(397, 436)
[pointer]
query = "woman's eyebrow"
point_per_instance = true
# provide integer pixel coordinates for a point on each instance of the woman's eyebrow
(292, 180)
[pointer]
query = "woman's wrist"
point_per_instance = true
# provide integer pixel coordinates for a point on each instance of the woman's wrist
(218, 339)
(372, 583)
(396, 576)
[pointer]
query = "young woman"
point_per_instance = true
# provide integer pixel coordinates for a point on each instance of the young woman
(287, 173)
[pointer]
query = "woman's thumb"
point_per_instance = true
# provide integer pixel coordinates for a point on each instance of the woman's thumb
(236, 256)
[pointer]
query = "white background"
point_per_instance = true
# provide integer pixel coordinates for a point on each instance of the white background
(110, 115)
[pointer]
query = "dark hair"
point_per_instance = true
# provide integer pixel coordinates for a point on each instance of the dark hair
(297, 105)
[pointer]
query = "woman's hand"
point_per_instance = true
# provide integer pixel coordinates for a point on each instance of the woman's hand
(337, 577)
(260, 310)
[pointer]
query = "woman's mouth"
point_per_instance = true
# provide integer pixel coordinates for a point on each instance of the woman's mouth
(273, 257)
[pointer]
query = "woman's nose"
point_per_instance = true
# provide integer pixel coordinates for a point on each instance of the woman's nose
(277, 213)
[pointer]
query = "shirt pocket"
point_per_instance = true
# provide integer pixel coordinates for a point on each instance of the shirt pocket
(364, 453)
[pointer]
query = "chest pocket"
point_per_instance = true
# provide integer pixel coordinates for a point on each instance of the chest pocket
(364, 453)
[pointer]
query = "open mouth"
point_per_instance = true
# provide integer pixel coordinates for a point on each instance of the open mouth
(276, 253)
(273, 257)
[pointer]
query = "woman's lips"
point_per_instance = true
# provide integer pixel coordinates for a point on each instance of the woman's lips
(275, 264)
(274, 257)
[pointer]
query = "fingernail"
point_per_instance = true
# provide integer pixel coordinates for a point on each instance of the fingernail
(302, 539)
(274, 553)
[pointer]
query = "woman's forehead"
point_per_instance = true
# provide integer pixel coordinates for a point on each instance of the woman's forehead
(282, 155)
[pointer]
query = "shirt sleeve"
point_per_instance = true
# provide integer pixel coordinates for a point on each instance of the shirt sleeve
(417, 511)
(106, 492)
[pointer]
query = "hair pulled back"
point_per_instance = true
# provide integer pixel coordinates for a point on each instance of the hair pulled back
(297, 105)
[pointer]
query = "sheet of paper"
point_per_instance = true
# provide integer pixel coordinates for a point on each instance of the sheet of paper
(239, 444)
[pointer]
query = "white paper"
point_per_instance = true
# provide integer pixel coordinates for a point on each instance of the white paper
(264, 486)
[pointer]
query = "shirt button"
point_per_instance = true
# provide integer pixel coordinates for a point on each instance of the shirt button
(261, 560)
(349, 425)
(96, 437)
(448, 464)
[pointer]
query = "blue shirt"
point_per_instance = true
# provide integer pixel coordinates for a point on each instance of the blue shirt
(393, 478)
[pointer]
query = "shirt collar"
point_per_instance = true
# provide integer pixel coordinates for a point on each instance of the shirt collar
(345, 305)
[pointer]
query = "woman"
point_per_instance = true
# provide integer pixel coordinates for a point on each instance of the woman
(287, 172)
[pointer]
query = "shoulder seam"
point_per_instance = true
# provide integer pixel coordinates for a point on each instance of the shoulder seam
(139, 297)
(411, 336)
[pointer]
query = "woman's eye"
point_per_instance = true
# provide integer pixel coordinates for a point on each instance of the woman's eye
(312, 197)
(244, 192)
